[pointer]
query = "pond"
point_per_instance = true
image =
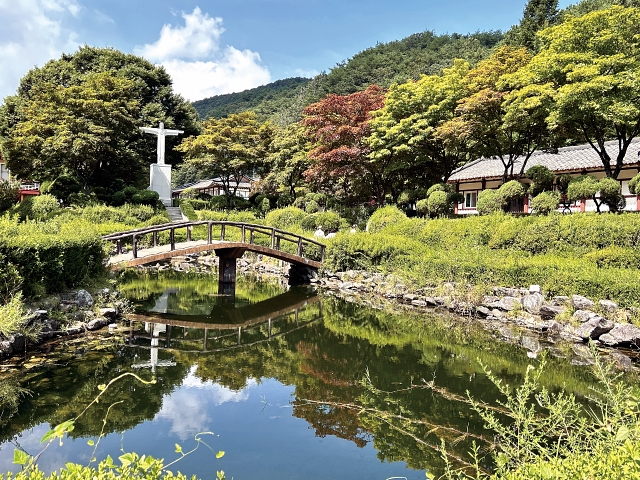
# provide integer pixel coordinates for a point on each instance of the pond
(290, 383)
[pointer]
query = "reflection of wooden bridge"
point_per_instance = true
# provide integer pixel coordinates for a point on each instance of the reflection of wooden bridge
(233, 240)
(237, 321)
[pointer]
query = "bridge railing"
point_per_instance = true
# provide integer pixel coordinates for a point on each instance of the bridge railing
(248, 233)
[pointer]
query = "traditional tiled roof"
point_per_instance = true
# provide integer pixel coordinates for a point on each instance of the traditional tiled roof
(245, 182)
(568, 159)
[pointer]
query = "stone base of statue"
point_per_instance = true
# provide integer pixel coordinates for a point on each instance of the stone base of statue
(161, 182)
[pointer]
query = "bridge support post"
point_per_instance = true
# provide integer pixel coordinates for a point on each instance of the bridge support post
(227, 269)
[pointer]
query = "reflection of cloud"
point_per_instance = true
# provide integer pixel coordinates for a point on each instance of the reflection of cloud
(200, 68)
(32, 32)
(186, 408)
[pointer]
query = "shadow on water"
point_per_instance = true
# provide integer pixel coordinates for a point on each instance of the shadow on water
(310, 352)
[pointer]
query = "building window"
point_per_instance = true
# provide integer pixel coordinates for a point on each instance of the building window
(470, 199)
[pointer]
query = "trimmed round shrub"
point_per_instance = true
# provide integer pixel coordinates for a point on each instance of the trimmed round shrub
(43, 205)
(265, 205)
(511, 190)
(326, 220)
(284, 200)
(438, 187)
(146, 197)
(611, 195)
(584, 186)
(545, 202)
(489, 201)
(299, 202)
(438, 203)
(384, 217)
(422, 207)
(312, 206)
(634, 185)
(9, 194)
(285, 218)
(541, 179)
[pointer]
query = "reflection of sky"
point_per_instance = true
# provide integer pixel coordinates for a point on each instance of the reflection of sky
(253, 426)
(186, 408)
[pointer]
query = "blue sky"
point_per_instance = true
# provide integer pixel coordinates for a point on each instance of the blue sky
(212, 47)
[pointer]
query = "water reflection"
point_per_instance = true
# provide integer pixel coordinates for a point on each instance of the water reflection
(279, 375)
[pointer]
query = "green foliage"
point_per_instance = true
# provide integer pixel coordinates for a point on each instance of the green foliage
(538, 15)
(615, 257)
(12, 316)
(187, 209)
(146, 197)
(438, 204)
(285, 218)
(43, 205)
(541, 179)
(10, 280)
(9, 194)
(587, 186)
(128, 214)
(634, 185)
(545, 202)
(489, 201)
(384, 217)
(327, 220)
(265, 206)
(422, 207)
(511, 190)
(311, 207)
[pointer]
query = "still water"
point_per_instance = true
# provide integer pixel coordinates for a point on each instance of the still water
(288, 383)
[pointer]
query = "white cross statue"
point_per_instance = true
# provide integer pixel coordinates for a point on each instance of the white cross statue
(161, 132)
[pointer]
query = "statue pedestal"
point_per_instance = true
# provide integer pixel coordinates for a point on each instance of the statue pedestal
(161, 182)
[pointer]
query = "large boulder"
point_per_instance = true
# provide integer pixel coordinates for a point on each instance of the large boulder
(83, 299)
(581, 303)
(533, 302)
(551, 311)
(594, 328)
(508, 303)
(622, 335)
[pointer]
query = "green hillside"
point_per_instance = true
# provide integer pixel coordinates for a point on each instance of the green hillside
(384, 64)
(264, 100)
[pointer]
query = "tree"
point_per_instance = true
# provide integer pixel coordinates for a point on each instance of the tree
(288, 159)
(590, 66)
(496, 121)
(404, 134)
(605, 191)
(79, 115)
(228, 149)
(339, 125)
(541, 179)
(538, 15)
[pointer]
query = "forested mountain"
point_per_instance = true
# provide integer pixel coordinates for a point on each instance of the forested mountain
(384, 64)
(264, 100)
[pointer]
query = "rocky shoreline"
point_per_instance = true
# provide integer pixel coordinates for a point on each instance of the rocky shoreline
(576, 319)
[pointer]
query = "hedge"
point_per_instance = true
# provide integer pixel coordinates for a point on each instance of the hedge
(50, 256)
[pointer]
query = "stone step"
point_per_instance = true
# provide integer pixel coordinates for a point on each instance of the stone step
(175, 214)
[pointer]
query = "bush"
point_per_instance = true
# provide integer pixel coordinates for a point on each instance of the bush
(285, 218)
(541, 179)
(545, 202)
(611, 195)
(438, 204)
(422, 207)
(489, 201)
(311, 206)
(43, 205)
(9, 194)
(326, 220)
(146, 197)
(10, 280)
(384, 217)
(634, 185)
(12, 316)
(284, 200)
(511, 190)
(23, 210)
(616, 257)
(265, 206)
(187, 210)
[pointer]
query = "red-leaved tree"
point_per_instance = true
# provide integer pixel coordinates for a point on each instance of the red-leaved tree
(338, 125)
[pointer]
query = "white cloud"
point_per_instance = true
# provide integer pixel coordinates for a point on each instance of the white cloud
(199, 65)
(32, 33)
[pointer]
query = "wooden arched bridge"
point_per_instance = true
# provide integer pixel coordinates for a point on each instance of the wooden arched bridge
(229, 240)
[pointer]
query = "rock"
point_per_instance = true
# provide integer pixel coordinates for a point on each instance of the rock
(508, 333)
(484, 311)
(560, 301)
(110, 313)
(581, 303)
(489, 300)
(419, 303)
(551, 311)
(75, 328)
(621, 360)
(507, 292)
(533, 302)
(508, 303)
(608, 306)
(97, 323)
(83, 299)
(6, 348)
(535, 289)
(531, 343)
(18, 343)
(583, 316)
(594, 328)
(431, 301)
(409, 297)
(622, 334)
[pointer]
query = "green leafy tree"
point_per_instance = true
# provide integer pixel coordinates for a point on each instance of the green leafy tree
(605, 191)
(541, 179)
(538, 15)
(79, 116)
(288, 159)
(496, 121)
(9, 194)
(590, 66)
(405, 140)
(228, 149)
(545, 202)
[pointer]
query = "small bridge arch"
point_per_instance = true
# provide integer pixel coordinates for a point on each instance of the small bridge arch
(229, 240)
